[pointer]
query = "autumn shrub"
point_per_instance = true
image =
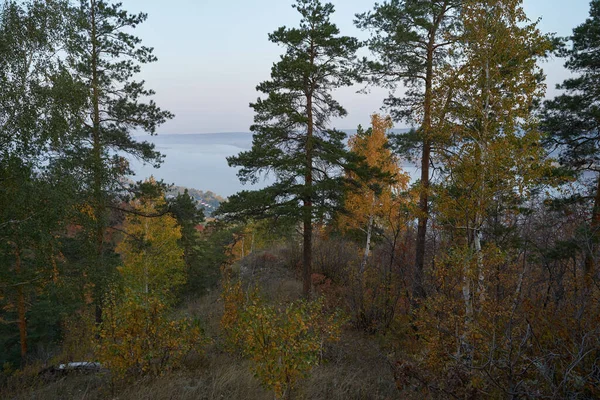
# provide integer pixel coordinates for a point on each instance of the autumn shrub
(283, 343)
(333, 295)
(331, 257)
(258, 260)
(291, 253)
(488, 330)
(566, 334)
(375, 299)
(138, 338)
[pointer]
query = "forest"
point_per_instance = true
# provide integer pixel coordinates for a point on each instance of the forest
(343, 278)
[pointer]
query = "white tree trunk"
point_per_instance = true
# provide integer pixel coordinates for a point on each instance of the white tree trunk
(363, 263)
(465, 345)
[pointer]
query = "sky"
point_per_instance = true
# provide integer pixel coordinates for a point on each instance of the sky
(213, 53)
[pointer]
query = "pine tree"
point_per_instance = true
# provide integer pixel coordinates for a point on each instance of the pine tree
(105, 56)
(292, 138)
(410, 39)
(571, 119)
(189, 216)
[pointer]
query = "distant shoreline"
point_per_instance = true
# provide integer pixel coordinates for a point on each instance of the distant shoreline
(347, 131)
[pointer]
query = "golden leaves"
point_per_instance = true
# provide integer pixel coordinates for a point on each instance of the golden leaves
(151, 253)
(374, 198)
(137, 338)
(283, 343)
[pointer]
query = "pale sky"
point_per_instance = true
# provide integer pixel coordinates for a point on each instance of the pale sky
(213, 53)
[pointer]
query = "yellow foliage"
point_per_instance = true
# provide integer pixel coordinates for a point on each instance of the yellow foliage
(492, 159)
(137, 338)
(283, 344)
(151, 253)
(374, 197)
(136, 335)
(255, 235)
(495, 153)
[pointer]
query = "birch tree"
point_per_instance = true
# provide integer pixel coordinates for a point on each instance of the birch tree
(368, 204)
(153, 261)
(37, 97)
(494, 156)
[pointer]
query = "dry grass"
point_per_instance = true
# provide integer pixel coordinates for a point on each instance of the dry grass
(88, 387)
(222, 377)
(353, 368)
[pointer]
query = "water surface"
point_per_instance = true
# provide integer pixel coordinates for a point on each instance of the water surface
(199, 161)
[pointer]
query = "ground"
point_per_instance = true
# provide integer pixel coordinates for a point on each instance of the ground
(353, 368)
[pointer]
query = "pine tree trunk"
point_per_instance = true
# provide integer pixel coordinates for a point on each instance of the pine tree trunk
(307, 222)
(418, 284)
(307, 213)
(308, 183)
(97, 162)
(418, 287)
(145, 261)
(307, 252)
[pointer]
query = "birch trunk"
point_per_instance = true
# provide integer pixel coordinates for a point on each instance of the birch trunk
(363, 263)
